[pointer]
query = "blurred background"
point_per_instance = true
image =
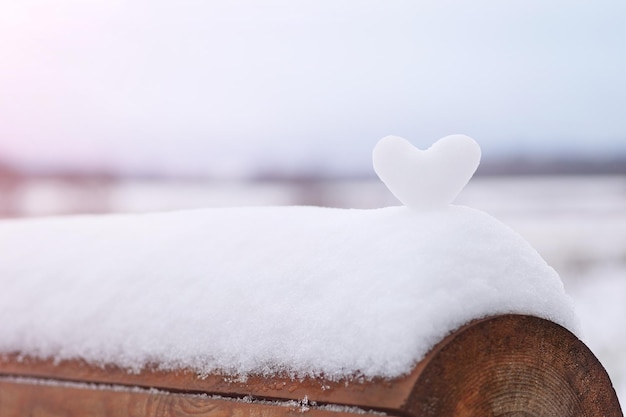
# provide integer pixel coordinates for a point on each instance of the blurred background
(134, 105)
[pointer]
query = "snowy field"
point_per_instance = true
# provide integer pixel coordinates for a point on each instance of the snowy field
(578, 224)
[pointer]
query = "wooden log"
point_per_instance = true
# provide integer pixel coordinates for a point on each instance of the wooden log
(513, 366)
(501, 366)
(20, 398)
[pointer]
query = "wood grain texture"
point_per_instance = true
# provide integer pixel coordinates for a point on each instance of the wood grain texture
(513, 366)
(501, 366)
(19, 399)
(378, 393)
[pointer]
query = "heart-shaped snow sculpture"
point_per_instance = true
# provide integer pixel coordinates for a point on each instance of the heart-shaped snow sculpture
(430, 179)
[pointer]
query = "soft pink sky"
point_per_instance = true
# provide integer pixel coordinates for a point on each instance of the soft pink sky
(224, 87)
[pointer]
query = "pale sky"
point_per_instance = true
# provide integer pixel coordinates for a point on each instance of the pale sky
(227, 87)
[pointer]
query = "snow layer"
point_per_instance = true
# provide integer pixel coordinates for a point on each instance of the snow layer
(303, 290)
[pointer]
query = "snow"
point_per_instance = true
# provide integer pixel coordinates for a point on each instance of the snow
(429, 179)
(302, 290)
(598, 294)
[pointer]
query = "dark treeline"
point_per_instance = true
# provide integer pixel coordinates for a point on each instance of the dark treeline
(553, 166)
(12, 174)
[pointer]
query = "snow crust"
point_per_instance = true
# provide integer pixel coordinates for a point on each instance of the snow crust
(303, 290)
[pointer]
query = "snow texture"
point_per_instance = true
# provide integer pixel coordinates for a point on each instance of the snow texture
(301, 290)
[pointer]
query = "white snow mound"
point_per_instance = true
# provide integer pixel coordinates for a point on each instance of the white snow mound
(302, 290)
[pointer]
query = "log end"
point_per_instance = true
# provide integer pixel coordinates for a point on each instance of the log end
(512, 365)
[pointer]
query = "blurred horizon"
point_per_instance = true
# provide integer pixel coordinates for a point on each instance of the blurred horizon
(514, 165)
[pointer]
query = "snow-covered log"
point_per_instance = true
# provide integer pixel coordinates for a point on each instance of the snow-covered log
(426, 309)
(501, 366)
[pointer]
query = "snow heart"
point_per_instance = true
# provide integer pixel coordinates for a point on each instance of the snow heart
(430, 179)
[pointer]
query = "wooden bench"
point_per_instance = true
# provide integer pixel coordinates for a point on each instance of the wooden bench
(509, 365)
